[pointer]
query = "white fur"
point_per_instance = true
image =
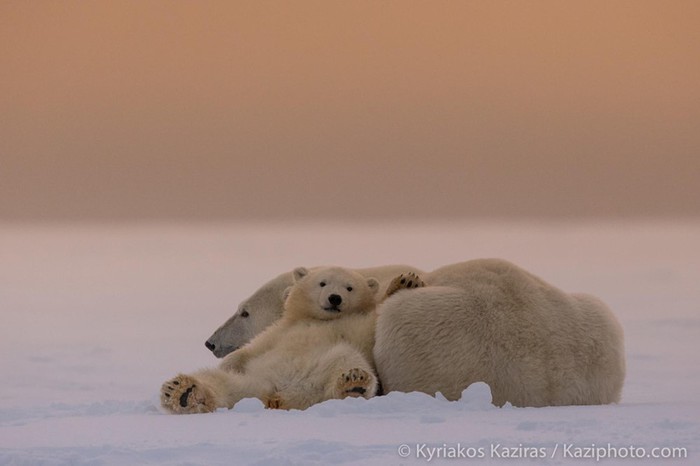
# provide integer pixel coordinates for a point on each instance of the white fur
(303, 358)
(265, 306)
(488, 320)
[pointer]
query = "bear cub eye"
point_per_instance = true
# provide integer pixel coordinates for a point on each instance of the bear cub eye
(349, 288)
(244, 314)
(322, 284)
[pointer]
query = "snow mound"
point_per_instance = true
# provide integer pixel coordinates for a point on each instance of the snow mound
(248, 405)
(477, 397)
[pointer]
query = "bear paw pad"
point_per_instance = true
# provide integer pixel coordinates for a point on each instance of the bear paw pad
(405, 281)
(181, 395)
(355, 383)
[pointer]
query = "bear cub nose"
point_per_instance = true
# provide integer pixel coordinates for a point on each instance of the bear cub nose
(335, 299)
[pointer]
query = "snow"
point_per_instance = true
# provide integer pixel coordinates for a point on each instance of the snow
(96, 317)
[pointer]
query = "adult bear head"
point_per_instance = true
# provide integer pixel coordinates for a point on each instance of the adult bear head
(253, 316)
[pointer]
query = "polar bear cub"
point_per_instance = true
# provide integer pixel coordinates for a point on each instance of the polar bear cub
(320, 349)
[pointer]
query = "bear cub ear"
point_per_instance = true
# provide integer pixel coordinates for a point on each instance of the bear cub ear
(299, 273)
(286, 293)
(373, 284)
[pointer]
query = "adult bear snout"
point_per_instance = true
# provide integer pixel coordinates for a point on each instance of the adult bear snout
(335, 300)
(210, 346)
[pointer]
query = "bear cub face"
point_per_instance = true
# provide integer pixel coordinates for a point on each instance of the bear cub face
(329, 293)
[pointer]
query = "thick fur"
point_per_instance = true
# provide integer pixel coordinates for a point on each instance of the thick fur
(489, 320)
(320, 349)
(265, 307)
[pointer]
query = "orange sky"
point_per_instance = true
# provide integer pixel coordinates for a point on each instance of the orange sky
(347, 109)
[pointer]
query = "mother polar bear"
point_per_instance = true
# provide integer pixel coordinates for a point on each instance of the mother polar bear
(481, 320)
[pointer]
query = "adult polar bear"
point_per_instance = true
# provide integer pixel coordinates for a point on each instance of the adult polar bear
(489, 320)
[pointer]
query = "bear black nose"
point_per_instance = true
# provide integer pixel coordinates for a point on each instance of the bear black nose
(335, 299)
(210, 346)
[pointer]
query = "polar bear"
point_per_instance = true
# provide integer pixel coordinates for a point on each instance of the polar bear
(491, 321)
(320, 349)
(265, 306)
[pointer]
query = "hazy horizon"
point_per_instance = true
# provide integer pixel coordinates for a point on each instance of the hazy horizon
(116, 111)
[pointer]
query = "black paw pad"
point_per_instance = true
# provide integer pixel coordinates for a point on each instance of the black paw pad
(183, 398)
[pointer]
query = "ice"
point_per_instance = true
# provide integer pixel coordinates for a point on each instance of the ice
(96, 317)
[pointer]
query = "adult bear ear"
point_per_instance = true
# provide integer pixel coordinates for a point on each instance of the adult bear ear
(299, 273)
(373, 285)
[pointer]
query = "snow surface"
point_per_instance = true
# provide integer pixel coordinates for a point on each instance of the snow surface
(96, 317)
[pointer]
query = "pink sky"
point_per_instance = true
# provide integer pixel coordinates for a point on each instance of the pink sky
(206, 110)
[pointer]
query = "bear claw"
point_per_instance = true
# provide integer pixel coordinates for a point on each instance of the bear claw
(275, 402)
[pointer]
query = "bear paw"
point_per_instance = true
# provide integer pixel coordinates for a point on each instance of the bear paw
(356, 383)
(275, 402)
(404, 281)
(181, 395)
